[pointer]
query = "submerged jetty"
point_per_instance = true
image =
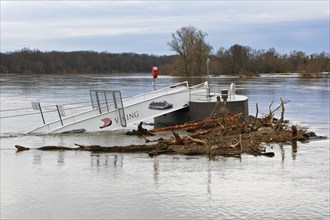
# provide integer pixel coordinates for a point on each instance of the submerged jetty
(223, 134)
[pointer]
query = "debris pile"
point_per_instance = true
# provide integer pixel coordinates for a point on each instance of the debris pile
(222, 134)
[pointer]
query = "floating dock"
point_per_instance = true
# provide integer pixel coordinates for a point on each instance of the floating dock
(174, 104)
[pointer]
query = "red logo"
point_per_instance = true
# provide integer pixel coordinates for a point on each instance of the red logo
(106, 122)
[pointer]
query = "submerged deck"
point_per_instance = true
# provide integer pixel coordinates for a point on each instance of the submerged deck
(111, 112)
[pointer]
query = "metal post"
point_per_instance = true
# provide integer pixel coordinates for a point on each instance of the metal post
(42, 115)
(106, 100)
(208, 70)
(98, 102)
(208, 78)
(59, 114)
(114, 99)
(154, 84)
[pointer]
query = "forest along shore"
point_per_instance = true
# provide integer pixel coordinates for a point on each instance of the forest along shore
(223, 134)
(249, 62)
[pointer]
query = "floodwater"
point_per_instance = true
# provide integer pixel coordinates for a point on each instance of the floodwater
(83, 185)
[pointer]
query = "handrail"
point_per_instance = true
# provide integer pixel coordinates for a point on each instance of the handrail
(44, 106)
(157, 91)
(35, 113)
(198, 85)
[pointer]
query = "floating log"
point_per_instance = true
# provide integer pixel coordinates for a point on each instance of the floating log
(55, 148)
(268, 154)
(21, 148)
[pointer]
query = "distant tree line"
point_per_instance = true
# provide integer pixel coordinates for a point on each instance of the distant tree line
(189, 43)
(243, 60)
(191, 50)
(35, 61)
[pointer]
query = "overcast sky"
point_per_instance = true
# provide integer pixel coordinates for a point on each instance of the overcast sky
(146, 26)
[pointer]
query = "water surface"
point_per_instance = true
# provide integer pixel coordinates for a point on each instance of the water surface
(83, 185)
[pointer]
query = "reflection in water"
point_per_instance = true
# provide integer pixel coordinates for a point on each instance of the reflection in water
(36, 158)
(115, 161)
(156, 171)
(282, 152)
(60, 158)
(209, 180)
(294, 149)
(104, 160)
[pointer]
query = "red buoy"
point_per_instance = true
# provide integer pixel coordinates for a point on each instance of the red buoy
(155, 72)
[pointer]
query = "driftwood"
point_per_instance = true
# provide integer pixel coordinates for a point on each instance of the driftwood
(202, 132)
(194, 140)
(21, 148)
(177, 140)
(187, 126)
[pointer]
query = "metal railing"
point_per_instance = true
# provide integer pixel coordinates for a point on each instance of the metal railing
(37, 108)
(108, 100)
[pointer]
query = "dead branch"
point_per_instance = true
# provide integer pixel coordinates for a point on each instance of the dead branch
(278, 107)
(203, 132)
(294, 131)
(238, 143)
(257, 110)
(177, 138)
(187, 125)
(234, 145)
(215, 107)
(278, 125)
(194, 140)
(270, 107)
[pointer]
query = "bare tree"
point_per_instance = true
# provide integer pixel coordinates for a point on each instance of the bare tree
(234, 60)
(189, 43)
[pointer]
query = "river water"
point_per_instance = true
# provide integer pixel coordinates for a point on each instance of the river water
(83, 185)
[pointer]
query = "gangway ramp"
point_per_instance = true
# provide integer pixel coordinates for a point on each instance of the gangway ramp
(111, 112)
